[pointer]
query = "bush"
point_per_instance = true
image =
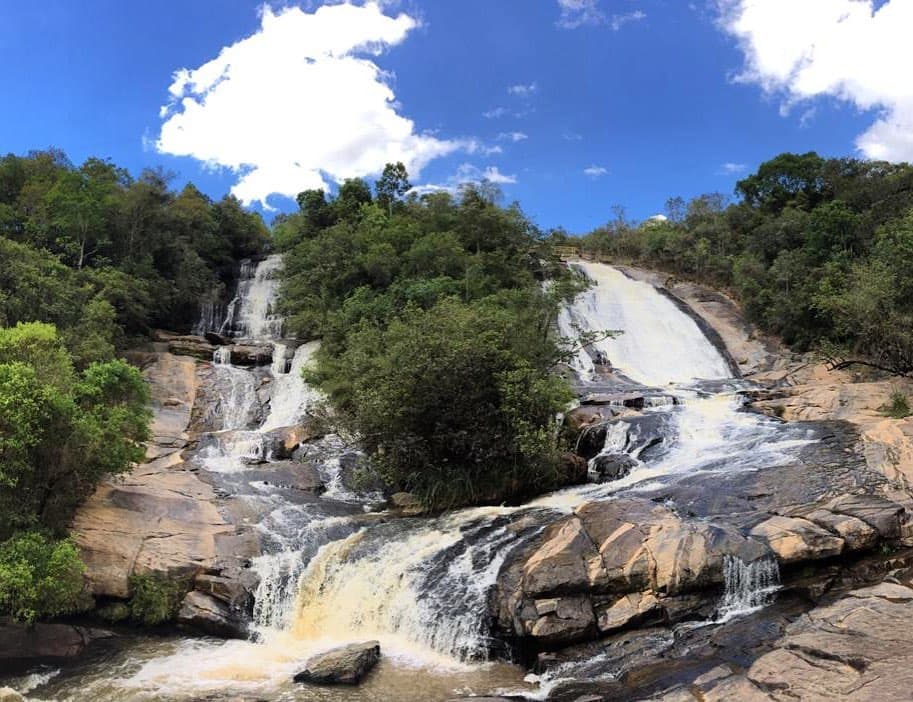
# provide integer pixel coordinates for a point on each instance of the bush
(40, 578)
(156, 599)
(898, 407)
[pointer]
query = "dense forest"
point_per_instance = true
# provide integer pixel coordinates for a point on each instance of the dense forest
(438, 339)
(818, 251)
(90, 259)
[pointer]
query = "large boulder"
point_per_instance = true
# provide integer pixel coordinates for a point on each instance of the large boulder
(793, 539)
(607, 467)
(22, 646)
(251, 354)
(346, 665)
(206, 614)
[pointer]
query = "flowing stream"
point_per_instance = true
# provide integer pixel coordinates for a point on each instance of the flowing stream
(332, 572)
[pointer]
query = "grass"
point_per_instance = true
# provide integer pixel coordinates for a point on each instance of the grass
(898, 407)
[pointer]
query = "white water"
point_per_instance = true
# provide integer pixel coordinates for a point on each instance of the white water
(257, 292)
(748, 586)
(658, 344)
(291, 397)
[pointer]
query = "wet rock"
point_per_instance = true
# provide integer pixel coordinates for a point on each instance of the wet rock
(346, 665)
(216, 339)
(856, 534)
(22, 645)
(569, 620)
(229, 590)
(406, 504)
(588, 415)
(573, 469)
(8, 694)
(193, 346)
(610, 466)
(251, 354)
(290, 474)
(208, 615)
(793, 539)
(283, 442)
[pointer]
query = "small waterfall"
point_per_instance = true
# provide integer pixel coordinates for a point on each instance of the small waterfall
(254, 316)
(212, 317)
(748, 586)
(426, 588)
(659, 344)
(291, 396)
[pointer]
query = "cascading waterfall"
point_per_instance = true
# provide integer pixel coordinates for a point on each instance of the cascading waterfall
(658, 344)
(748, 586)
(257, 290)
(291, 396)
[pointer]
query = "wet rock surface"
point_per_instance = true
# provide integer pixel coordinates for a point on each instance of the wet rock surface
(22, 645)
(346, 665)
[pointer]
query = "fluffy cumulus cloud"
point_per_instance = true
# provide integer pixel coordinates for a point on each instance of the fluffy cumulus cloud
(595, 171)
(299, 103)
(858, 51)
(466, 174)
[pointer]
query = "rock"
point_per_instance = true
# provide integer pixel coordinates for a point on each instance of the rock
(208, 615)
(856, 534)
(193, 346)
(406, 504)
(283, 442)
(251, 354)
(610, 466)
(629, 609)
(216, 339)
(570, 621)
(567, 562)
(573, 469)
(8, 694)
(793, 539)
(883, 515)
(289, 474)
(231, 591)
(346, 665)
(22, 646)
(589, 415)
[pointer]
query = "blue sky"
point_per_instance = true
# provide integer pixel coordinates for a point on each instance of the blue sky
(572, 105)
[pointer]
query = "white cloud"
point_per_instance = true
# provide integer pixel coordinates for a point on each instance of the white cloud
(512, 136)
(845, 49)
(495, 113)
(619, 21)
(595, 171)
(467, 173)
(572, 136)
(732, 168)
(576, 13)
(522, 90)
(299, 103)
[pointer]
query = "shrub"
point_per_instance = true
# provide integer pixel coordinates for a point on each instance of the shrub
(156, 599)
(898, 407)
(40, 578)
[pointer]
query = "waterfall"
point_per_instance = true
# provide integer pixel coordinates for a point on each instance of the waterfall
(748, 586)
(658, 344)
(291, 396)
(257, 291)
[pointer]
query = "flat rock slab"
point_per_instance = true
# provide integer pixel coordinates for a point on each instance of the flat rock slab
(346, 665)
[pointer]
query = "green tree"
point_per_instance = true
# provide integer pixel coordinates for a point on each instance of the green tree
(392, 186)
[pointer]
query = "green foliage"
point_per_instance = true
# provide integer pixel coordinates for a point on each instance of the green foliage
(155, 599)
(818, 251)
(61, 431)
(898, 407)
(438, 336)
(40, 578)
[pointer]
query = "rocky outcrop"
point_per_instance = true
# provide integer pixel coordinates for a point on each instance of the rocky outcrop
(346, 665)
(857, 648)
(209, 615)
(616, 564)
(160, 518)
(22, 645)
